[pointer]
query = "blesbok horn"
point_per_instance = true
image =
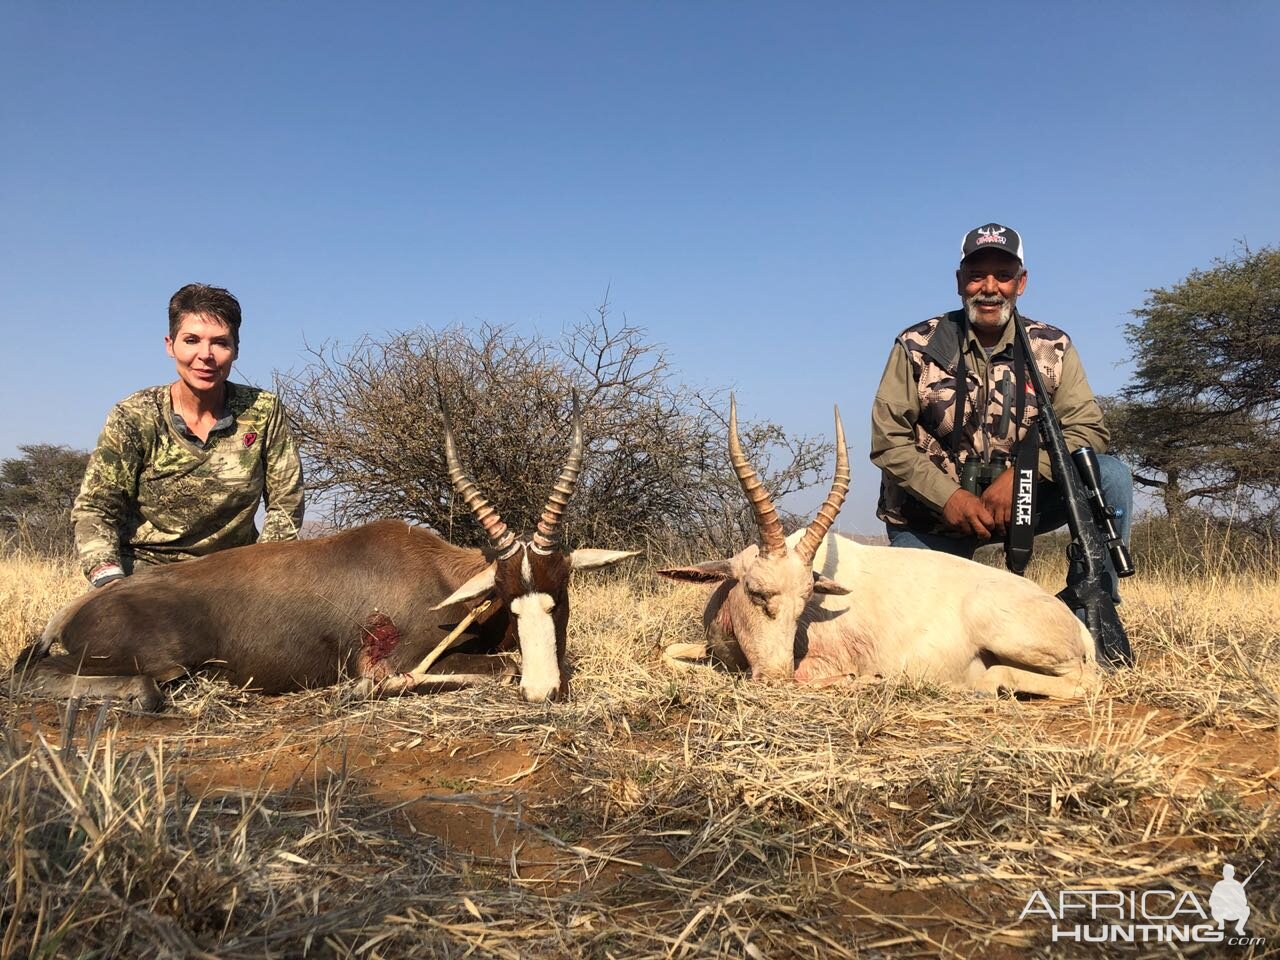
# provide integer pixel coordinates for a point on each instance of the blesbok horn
(547, 536)
(500, 536)
(772, 541)
(835, 499)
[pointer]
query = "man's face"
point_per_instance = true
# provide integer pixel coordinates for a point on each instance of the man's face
(989, 283)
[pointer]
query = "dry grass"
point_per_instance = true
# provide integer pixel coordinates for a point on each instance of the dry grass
(657, 813)
(31, 590)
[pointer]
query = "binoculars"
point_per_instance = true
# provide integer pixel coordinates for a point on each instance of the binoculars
(976, 475)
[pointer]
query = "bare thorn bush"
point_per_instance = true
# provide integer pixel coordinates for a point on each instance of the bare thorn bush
(656, 469)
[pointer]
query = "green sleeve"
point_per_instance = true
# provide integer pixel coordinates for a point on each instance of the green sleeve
(893, 440)
(109, 487)
(282, 490)
(1077, 411)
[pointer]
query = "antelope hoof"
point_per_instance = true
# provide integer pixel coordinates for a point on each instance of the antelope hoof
(680, 655)
(143, 694)
(362, 689)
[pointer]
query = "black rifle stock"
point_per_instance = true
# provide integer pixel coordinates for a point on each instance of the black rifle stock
(1086, 511)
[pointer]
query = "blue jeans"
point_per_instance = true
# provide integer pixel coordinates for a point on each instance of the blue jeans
(1117, 490)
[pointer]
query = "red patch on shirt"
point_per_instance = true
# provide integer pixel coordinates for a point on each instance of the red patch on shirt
(249, 438)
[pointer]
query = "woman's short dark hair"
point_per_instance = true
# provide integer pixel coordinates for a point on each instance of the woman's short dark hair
(200, 298)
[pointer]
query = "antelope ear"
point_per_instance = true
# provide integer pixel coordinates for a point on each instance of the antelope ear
(823, 584)
(478, 585)
(709, 572)
(589, 559)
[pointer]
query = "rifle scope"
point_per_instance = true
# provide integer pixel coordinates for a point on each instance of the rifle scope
(1087, 466)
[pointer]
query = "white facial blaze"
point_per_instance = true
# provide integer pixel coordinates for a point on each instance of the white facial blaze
(539, 668)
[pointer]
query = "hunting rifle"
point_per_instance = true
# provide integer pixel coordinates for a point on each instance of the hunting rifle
(1092, 523)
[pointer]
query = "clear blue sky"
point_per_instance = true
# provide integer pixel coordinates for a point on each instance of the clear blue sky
(771, 190)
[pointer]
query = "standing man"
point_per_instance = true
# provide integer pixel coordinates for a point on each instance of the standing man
(943, 451)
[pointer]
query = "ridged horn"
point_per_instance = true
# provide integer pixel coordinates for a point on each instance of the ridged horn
(772, 540)
(547, 537)
(835, 499)
(499, 536)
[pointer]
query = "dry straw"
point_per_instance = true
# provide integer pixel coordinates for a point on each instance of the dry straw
(659, 812)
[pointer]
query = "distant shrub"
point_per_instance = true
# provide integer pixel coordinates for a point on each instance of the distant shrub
(37, 491)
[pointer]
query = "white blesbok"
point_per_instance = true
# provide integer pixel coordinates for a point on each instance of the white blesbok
(819, 607)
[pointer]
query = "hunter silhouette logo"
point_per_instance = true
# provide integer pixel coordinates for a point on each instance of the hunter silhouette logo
(1160, 915)
(991, 235)
(1228, 901)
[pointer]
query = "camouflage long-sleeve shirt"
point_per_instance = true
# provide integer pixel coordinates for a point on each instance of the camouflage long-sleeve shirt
(914, 410)
(154, 495)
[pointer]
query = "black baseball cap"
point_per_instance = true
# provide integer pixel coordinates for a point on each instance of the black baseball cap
(994, 236)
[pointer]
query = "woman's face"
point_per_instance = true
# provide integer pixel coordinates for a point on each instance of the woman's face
(203, 350)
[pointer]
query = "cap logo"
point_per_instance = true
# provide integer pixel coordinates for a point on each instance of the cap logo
(249, 438)
(991, 235)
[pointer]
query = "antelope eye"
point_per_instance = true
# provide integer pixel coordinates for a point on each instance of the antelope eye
(757, 597)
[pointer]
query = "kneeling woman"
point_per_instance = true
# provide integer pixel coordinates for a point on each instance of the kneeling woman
(180, 469)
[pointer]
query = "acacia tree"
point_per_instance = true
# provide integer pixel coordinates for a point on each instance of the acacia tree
(1201, 419)
(37, 491)
(656, 467)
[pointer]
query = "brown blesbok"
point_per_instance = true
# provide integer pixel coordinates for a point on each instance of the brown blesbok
(818, 607)
(366, 603)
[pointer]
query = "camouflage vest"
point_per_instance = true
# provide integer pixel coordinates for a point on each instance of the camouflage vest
(151, 495)
(989, 431)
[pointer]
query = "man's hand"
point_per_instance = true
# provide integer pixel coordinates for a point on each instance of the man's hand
(998, 498)
(966, 514)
